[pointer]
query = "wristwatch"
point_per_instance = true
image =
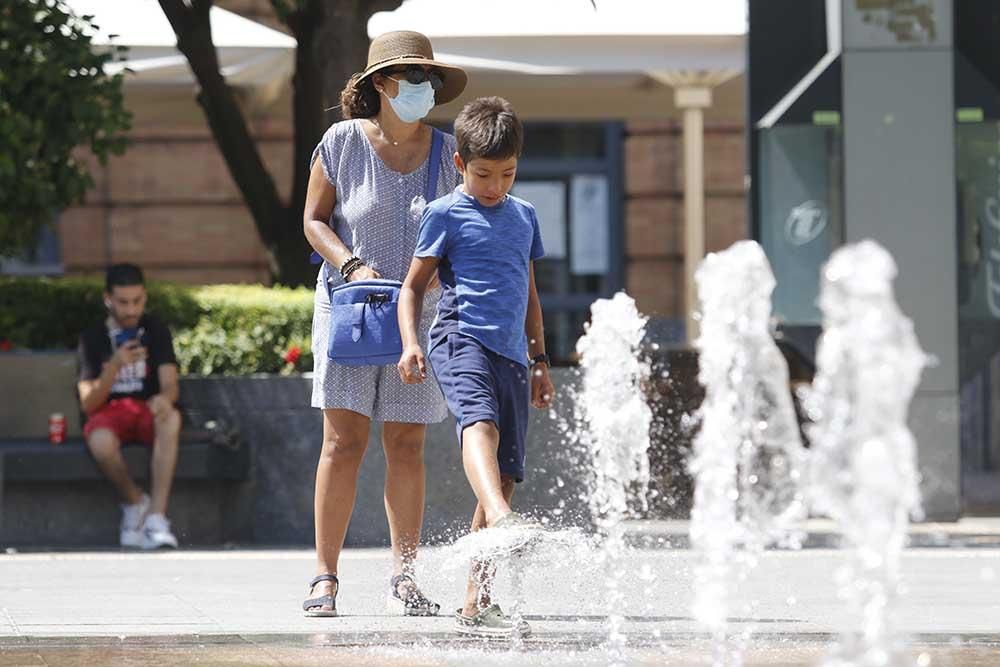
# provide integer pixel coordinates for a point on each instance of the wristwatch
(542, 358)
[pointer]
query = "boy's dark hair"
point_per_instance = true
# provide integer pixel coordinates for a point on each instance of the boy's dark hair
(487, 128)
(123, 275)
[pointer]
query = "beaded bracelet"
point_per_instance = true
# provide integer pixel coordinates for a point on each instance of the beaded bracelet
(348, 267)
(351, 270)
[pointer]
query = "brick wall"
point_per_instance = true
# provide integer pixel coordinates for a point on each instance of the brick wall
(654, 207)
(169, 204)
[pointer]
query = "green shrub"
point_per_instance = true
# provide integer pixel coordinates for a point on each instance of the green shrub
(218, 330)
(45, 313)
(246, 329)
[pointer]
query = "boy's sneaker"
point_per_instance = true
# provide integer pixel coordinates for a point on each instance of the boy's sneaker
(518, 532)
(131, 526)
(515, 520)
(156, 533)
(490, 623)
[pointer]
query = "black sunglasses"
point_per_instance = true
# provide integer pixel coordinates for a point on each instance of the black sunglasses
(416, 74)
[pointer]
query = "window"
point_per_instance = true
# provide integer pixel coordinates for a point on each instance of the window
(800, 220)
(42, 260)
(977, 175)
(571, 173)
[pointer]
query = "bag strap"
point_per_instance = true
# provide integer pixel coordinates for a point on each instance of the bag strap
(433, 167)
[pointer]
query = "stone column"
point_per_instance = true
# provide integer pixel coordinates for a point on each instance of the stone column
(692, 95)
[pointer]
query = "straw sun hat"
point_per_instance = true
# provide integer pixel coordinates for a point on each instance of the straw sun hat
(404, 47)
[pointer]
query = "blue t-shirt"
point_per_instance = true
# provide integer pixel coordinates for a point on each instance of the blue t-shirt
(485, 254)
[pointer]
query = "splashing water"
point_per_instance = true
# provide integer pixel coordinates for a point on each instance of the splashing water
(863, 471)
(613, 407)
(614, 417)
(510, 554)
(747, 457)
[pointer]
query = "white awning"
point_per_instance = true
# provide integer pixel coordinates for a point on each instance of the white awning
(251, 55)
(560, 37)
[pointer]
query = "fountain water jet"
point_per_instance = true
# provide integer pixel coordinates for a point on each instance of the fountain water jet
(863, 471)
(614, 420)
(747, 457)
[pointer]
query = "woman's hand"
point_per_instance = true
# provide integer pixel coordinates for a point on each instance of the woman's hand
(363, 272)
(412, 365)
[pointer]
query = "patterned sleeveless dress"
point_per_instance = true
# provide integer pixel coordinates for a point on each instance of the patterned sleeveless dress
(377, 216)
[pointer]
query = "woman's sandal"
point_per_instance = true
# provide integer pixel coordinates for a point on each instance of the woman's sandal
(314, 606)
(414, 604)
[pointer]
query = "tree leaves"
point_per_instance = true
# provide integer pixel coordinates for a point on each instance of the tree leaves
(54, 98)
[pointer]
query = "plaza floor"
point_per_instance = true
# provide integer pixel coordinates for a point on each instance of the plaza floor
(242, 607)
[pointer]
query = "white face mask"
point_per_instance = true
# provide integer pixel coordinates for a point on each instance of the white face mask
(413, 101)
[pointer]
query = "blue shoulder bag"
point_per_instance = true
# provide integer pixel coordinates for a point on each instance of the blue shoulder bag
(364, 329)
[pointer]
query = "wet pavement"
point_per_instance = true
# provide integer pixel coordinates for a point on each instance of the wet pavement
(242, 607)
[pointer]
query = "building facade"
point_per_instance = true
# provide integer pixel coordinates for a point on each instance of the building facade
(881, 119)
(170, 204)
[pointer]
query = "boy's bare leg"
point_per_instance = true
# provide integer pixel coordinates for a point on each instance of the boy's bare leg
(479, 590)
(479, 458)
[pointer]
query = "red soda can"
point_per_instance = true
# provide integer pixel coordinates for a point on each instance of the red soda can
(57, 428)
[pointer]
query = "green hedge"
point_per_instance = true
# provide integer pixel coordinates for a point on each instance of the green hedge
(218, 329)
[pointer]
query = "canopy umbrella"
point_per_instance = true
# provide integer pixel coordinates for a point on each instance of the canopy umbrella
(251, 55)
(567, 36)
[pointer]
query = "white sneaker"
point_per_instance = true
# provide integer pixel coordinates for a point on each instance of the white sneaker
(131, 527)
(156, 533)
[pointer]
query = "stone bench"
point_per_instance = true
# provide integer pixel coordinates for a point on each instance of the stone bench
(55, 495)
(37, 460)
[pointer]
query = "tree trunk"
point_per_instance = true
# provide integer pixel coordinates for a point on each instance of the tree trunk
(333, 42)
(229, 127)
(307, 115)
(344, 43)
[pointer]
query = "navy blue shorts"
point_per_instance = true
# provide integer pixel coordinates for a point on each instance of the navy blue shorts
(480, 385)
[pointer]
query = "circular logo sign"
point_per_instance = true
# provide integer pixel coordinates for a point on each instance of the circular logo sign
(805, 222)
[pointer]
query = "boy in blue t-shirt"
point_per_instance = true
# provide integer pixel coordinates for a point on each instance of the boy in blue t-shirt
(488, 332)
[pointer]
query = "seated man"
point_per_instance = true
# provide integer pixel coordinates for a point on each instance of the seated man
(128, 388)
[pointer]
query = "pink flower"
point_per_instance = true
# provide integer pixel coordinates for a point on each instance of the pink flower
(292, 355)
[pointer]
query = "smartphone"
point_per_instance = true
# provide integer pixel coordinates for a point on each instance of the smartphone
(125, 335)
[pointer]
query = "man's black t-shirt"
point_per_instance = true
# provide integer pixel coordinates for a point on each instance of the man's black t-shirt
(139, 380)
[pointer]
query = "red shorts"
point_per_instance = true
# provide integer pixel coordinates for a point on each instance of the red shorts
(128, 418)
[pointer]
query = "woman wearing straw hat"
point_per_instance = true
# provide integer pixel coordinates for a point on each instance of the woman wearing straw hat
(370, 177)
